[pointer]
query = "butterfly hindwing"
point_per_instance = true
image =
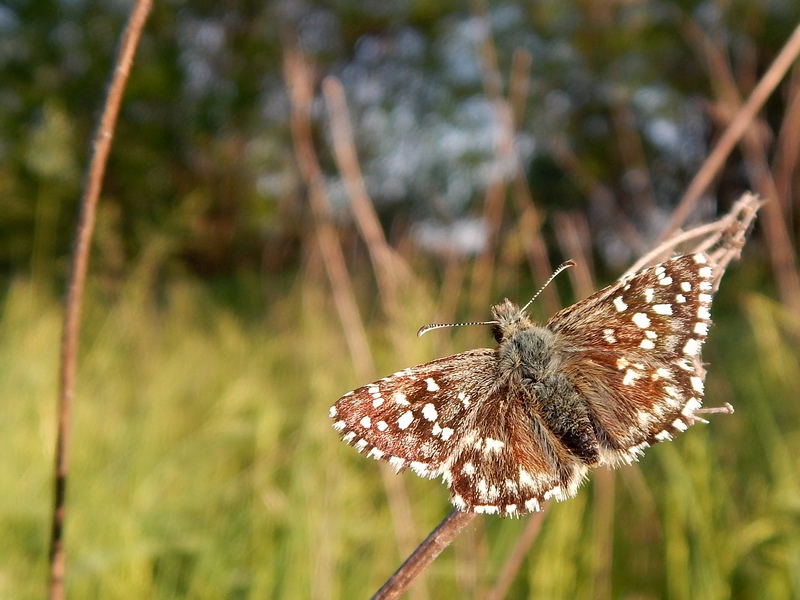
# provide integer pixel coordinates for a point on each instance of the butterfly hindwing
(507, 462)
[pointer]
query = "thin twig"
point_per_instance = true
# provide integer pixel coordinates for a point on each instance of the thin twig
(514, 561)
(74, 300)
(298, 74)
(737, 128)
(426, 552)
(389, 268)
(754, 151)
(299, 81)
(724, 237)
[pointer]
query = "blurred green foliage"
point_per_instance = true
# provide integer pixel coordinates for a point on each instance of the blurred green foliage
(204, 466)
(203, 461)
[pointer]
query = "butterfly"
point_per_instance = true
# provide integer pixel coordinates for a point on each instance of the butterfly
(510, 427)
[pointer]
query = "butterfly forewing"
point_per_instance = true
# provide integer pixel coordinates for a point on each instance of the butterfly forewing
(415, 417)
(633, 350)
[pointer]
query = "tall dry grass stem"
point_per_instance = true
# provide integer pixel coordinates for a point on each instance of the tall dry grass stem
(739, 124)
(299, 77)
(101, 146)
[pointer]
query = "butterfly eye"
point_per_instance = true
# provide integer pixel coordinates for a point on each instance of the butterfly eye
(497, 333)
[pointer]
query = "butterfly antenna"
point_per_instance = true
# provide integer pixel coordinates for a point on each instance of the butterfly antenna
(426, 328)
(562, 267)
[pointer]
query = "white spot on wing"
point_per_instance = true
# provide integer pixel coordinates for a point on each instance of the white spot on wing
(492, 445)
(446, 433)
(432, 385)
(486, 509)
(662, 309)
(483, 489)
(365, 422)
(429, 412)
(692, 405)
(405, 419)
(420, 468)
(339, 425)
(691, 348)
(641, 320)
(525, 478)
(553, 493)
(381, 425)
(619, 304)
(400, 398)
(630, 377)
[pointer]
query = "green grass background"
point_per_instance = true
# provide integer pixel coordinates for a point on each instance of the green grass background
(203, 464)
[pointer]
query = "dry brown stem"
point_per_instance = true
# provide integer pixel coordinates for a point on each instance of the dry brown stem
(733, 133)
(101, 146)
(298, 74)
(426, 552)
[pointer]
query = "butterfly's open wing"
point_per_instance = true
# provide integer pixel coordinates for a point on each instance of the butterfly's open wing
(455, 417)
(632, 352)
(507, 462)
(412, 419)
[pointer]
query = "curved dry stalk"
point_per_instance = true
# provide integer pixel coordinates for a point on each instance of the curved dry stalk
(77, 278)
(390, 270)
(426, 552)
(723, 240)
(734, 132)
(516, 556)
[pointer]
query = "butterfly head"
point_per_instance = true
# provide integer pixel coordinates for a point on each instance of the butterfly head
(508, 319)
